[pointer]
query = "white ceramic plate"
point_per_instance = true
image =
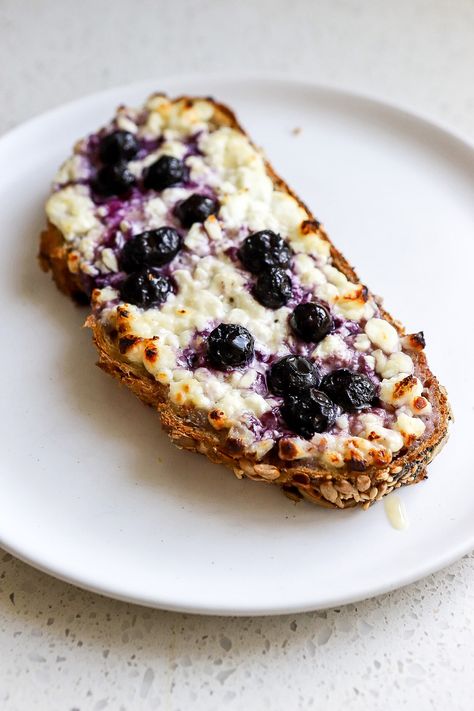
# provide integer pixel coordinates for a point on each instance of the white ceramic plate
(90, 489)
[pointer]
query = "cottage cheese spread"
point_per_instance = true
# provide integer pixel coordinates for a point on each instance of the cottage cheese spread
(212, 287)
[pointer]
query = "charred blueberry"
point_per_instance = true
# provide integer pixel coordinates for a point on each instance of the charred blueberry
(114, 180)
(272, 288)
(230, 346)
(309, 412)
(291, 374)
(152, 248)
(145, 288)
(311, 321)
(196, 208)
(350, 390)
(263, 250)
(165, 172)
(117, 147)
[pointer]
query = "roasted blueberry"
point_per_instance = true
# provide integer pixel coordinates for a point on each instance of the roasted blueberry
(309, 412)
(263, 250)
(350, 390)
(272, 288)
(117, 147)
(150, 249)
(145, 288)
(196, 208)
(165, 172)
(311, 321)
(114, 180)
(291, 374)
(229, 346)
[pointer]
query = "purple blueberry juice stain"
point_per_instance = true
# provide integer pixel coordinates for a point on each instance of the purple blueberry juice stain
(298, 293)
(192, 145)
(147, 146)
(272, 425)
(113, 279)
(260, 385)
(232, 253)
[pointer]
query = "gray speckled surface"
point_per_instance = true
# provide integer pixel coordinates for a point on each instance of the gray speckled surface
(62, 648)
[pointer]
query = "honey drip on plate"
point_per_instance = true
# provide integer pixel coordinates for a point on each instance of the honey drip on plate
(396, 512)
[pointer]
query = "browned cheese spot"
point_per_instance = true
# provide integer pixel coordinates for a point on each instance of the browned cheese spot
(419, 403)
(308, 227)
(404, 386)
(414, 341)
(217, 419)
(151, 353)
(359, 294)
(127, 342)
(380, 456)
(287, 449)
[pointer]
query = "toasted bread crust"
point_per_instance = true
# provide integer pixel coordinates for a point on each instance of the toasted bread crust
(189, 429)
(52, 257)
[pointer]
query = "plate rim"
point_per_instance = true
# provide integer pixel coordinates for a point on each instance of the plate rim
(236, 77)
(84, 582)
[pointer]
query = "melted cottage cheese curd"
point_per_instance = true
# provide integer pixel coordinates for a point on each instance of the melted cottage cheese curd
(213, 287)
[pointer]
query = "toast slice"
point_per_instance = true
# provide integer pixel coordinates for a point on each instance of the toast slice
(218, 299)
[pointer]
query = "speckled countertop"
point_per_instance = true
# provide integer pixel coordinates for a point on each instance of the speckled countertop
(62, 648)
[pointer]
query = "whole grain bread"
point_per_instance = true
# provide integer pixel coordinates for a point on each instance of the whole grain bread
(189, 429)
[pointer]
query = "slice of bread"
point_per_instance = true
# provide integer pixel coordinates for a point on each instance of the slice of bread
(162, 351)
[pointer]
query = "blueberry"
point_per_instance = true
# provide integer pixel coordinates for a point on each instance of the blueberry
(308, 412)
(145, 288)
(196, 208)
(114, 180)
(117, 147)
(311, 321)
(152, 249)
(165, 172)
(350, 390)
(263, 250)
(272, 288)
(229, 346)
(291, 374)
